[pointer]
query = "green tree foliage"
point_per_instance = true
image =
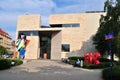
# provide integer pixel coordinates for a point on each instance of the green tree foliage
(118, 44)
(3, 50)
(110, 23)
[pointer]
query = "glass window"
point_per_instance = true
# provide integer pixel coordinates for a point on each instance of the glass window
(35, 33)
(44, 39)
(65, 47)
(55, 25)
(70, 25)
(75, 25)
(66, 25)
(29, 33)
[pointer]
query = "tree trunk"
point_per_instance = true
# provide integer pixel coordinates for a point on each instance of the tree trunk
(112, 56)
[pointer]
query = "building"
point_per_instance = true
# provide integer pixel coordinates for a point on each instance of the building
(67, 35)
(5, 39)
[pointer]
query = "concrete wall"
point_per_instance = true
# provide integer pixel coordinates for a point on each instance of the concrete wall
(56, 46)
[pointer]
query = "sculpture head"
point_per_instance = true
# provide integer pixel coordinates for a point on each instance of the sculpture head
(22, 36)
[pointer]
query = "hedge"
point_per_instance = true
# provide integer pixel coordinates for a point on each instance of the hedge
(76, 58)
(104, 60)
(115, 73)
(117, 63)
(82, 58)
(6, 63)
(104, 63)
(99, 66)
(18, 62)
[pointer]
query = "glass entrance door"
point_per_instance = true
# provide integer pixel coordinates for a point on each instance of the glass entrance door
(45, 47)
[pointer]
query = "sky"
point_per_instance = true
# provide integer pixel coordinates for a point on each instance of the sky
(11, 9)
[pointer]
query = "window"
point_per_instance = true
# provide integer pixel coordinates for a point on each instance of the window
(75, 25)
(65, 47)
(29, 33)
(66, 25)
(56, 25)
(70, 25)
(44, 39)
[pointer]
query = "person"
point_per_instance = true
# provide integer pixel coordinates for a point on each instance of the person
(77, 64)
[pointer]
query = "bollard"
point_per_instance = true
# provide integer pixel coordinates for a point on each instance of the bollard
(81, 63)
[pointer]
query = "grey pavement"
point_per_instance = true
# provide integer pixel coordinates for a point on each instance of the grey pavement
(48, 70)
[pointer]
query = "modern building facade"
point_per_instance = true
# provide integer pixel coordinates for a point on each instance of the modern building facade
(5, 40)
(67, 35)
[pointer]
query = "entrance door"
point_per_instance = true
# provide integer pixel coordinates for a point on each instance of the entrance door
(45, 46)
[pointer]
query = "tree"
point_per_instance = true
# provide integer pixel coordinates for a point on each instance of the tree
(110, 23)
(3, 50)
(118, 44)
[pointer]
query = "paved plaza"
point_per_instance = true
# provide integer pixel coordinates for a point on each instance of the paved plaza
(48, 70)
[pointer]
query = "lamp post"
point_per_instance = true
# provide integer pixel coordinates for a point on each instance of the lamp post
(108, 37)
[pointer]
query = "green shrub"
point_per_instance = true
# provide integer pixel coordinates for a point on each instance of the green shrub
(104, 60)
(99, 66)
(3, 50)
(5, 64)
(117, 63)
(115, 73)
(18, 62)
(73, 62)
(104, 63)
(92, 66)
(82, 58)
(86, 65)
(76, 58)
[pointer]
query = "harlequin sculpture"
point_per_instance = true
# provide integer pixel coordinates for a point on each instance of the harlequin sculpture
(21, 44)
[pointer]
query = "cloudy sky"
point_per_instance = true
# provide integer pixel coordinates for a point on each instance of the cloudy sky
(11, 9)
